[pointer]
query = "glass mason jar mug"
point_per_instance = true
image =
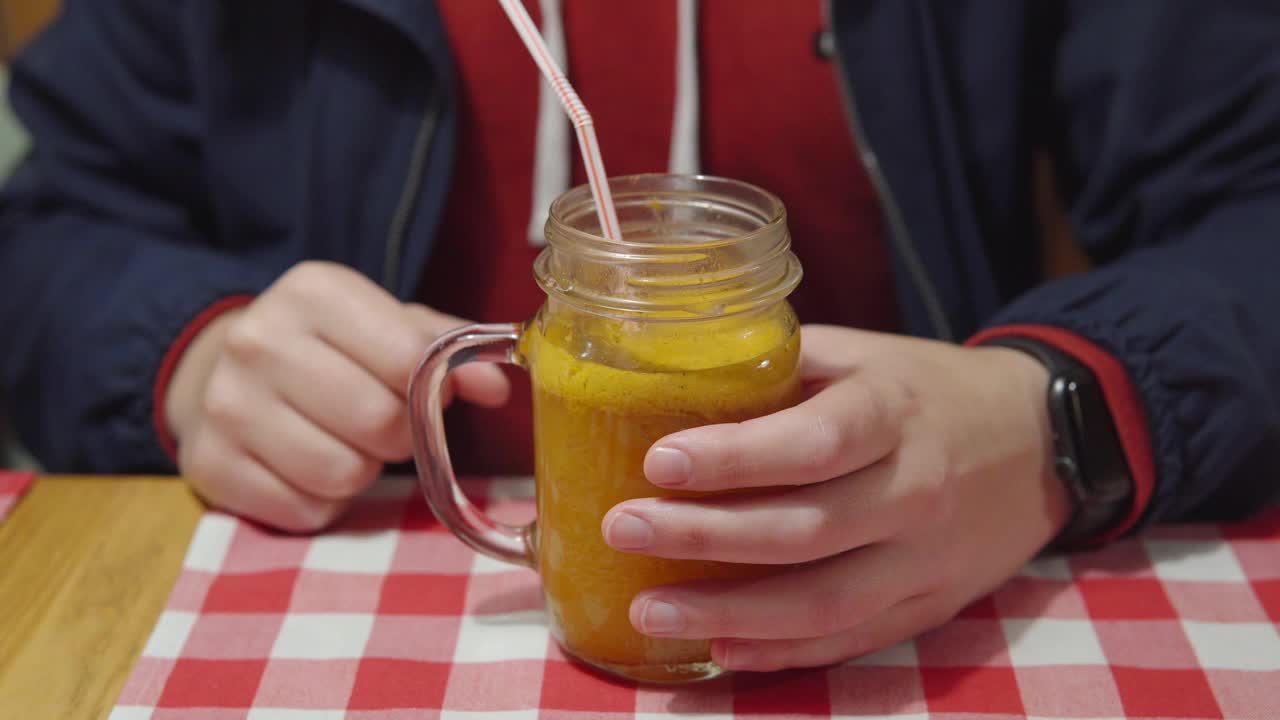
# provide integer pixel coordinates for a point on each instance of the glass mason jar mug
(684, 323)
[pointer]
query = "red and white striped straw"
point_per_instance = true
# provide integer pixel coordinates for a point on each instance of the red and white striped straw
(582, 125)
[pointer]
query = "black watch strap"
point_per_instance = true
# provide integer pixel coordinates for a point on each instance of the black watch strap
(1088, 456)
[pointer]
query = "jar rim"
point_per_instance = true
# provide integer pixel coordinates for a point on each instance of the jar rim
(622, 185)
(701, 246)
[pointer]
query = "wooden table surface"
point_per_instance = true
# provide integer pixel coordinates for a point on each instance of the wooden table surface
(86, 565)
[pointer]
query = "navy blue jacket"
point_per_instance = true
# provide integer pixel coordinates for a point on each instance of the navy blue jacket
(187, 150)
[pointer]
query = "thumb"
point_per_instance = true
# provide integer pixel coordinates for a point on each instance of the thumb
(482, 384)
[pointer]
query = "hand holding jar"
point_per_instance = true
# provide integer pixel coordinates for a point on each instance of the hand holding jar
(718, 489)
(915, 477)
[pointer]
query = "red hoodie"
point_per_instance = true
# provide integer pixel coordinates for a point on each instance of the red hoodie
(770, 114)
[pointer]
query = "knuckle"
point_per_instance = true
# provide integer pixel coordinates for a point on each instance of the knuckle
(306, 273)
(248, 341)
(926, 497)
(693, 541)
(880, 408)
(344, 473)
(222, 405)
(303, 519)
(806, 535)
(735, 462)
(902, 399)
(832, 441)
(722, 622)
(204, 468)
(308, 279)
(877, 412)
(379, 421)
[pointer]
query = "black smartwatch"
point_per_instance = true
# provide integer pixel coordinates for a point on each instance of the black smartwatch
(1088, 456)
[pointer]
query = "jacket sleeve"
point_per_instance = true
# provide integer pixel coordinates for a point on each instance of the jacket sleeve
(1166, 120)
(107, 244)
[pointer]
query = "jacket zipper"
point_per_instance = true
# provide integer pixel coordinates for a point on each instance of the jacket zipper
(899, 235)
(411, 189)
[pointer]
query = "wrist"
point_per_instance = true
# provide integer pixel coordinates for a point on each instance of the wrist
(1091, 459)
(1054, 505)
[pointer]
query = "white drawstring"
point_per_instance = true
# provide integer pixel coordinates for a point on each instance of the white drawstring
(551, 156)
(551, 170)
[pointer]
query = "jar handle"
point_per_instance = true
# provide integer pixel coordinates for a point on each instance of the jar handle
(473, 343)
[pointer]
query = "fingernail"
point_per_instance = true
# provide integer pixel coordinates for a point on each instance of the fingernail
(628, 532)
(660, 618)
(667, 467)
(740, 655)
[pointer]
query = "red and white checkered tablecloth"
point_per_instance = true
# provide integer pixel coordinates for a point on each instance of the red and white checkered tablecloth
(12, 487)
(390, 618)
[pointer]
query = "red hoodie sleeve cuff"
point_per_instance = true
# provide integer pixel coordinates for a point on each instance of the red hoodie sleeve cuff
(170, 363)
(1122, 399)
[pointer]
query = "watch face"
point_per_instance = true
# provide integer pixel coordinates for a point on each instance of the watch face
(1102, 469)
(1088, 456)
(1064, 409)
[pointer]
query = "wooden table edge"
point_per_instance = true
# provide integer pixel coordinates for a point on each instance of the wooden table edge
(89, 564)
